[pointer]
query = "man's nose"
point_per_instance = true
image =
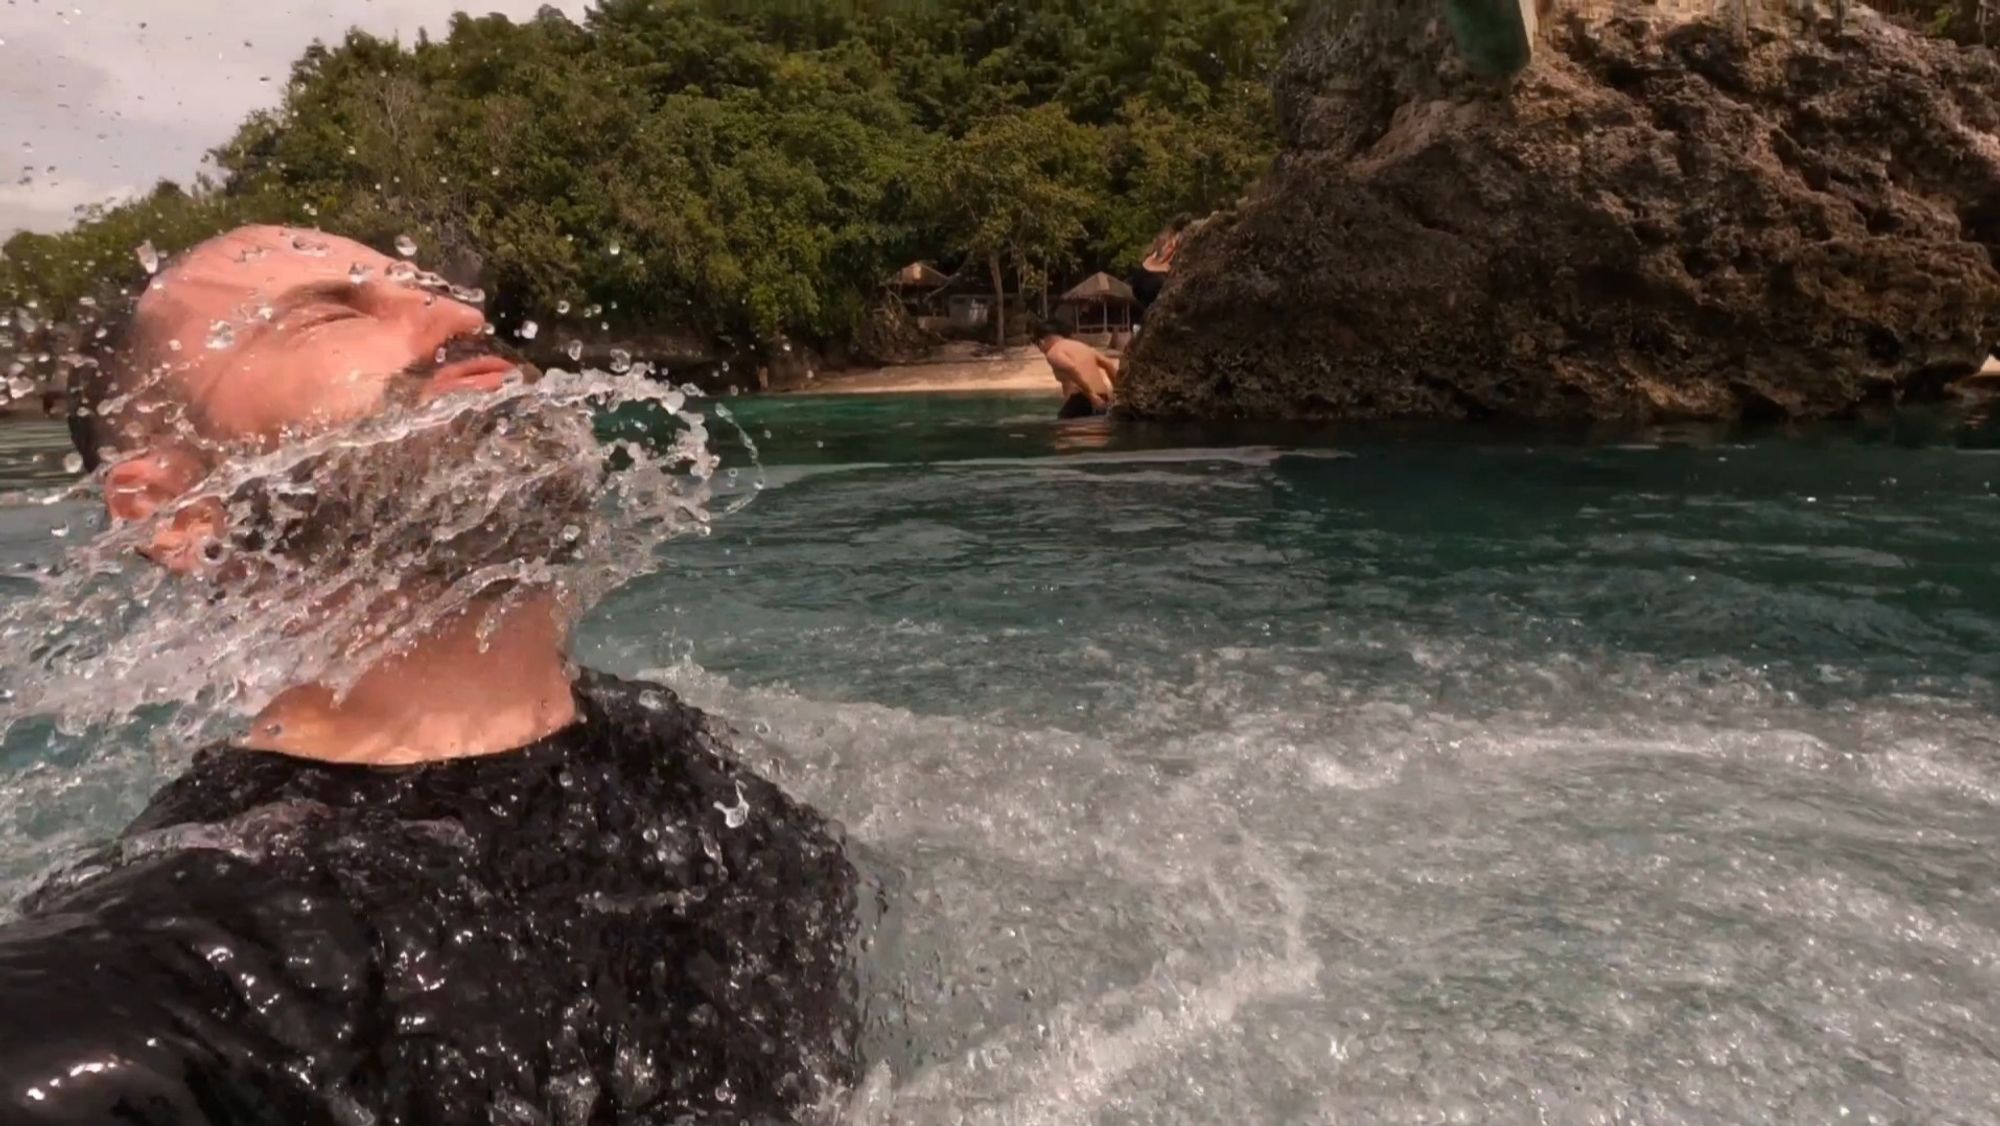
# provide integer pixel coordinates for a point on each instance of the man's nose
(434, 318)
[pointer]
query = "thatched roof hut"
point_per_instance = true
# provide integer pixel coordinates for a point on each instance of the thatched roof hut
(1107, 295)
(919, 275)
(1100, 288)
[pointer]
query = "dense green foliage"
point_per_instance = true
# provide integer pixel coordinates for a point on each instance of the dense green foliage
(740, 170)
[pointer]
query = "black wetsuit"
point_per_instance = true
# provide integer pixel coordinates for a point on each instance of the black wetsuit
(618, 924)
(1146, 287)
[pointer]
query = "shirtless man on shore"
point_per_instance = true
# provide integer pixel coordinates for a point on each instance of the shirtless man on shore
(1086, 374)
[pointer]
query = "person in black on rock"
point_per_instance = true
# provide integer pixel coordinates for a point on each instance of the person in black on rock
(480, 886)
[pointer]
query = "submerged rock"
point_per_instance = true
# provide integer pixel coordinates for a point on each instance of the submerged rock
(1675, 210)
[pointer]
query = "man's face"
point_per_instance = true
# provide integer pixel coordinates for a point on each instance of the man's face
(270, 332)
(266, 337)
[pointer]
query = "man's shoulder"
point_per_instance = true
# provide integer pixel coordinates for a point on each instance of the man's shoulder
(617, 710)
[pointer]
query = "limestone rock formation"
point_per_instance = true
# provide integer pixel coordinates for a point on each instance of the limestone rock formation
(1679, 209)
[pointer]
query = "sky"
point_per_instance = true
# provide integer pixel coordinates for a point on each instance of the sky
(100, 99)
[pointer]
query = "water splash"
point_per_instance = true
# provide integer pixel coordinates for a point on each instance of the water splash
(516, 493)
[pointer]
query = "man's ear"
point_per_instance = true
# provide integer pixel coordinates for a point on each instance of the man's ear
(139, 487)
(144, 483)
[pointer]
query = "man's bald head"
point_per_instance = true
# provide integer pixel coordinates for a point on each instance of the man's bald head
(262, 332)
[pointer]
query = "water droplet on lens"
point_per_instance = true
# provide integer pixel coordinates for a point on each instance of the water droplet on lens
(562, 308)
(405, 245)
(149, 258)
(73, 463)
(529, 330)
(20, 386)
(615, 249)
(574, 351)
(621, 361)
(173, 345)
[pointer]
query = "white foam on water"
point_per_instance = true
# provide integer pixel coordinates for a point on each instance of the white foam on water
(1694, 899)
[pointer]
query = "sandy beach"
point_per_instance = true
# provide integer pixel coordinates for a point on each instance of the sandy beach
(1019, 371)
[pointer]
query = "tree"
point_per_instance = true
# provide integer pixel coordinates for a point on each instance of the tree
(735, 170)
(1017, 188)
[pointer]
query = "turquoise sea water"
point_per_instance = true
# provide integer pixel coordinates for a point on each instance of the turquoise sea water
(1254, 775)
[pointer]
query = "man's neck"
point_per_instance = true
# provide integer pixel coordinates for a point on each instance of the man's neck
(485, 681)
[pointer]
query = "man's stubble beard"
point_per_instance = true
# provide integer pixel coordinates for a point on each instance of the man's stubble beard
(426, 499)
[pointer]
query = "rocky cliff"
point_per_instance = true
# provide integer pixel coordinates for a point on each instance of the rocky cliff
(1679, 209)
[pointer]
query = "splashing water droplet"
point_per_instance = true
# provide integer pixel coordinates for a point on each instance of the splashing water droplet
(405, 245)
(529, 330)
(357, 274)
(73, 462)
(471, 296)
(621, 361)
(221, 336)
(173, 345)
(562, 308)
(149, 258)
(574, 351)
(615, 249)
(308, 247)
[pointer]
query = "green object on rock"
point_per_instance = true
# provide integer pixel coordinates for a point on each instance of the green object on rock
(1495, 37)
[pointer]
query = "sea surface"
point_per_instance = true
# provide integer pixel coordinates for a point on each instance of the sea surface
(1236, 775)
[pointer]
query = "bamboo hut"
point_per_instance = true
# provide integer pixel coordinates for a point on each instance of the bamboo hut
(1101, 305)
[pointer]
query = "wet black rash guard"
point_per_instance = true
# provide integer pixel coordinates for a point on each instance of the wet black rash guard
(617, 924)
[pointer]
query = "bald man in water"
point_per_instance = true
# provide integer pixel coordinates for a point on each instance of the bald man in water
(475, 886)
